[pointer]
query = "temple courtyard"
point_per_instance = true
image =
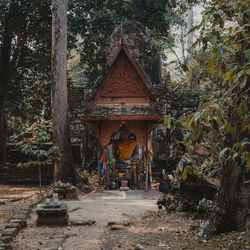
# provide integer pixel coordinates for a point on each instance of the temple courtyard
(107, 219)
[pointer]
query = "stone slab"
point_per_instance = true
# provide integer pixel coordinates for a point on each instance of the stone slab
(23, 223)
(53, 245)
(13, 225)
(20, 216)
(6, 246)
(52, 211)
(82, 222)
(9, 232)
(6, 239)
(25, 213)
(58, 241)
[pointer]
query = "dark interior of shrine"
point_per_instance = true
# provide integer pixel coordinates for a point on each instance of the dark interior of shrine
(125, 161)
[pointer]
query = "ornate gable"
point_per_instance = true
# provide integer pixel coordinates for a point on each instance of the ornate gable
(123, 80)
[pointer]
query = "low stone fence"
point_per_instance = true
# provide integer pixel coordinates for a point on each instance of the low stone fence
(12, 174)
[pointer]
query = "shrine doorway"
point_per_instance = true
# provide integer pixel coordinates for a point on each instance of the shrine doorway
(123, 159)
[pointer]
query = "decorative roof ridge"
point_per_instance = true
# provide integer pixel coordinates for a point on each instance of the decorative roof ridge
(136, 63)
(137, 67)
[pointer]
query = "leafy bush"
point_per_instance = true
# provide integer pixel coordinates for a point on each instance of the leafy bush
(38, 150)
(86, 177)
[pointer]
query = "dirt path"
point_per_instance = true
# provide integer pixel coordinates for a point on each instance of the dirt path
(103, 207)
(10, 200)
(124, 220)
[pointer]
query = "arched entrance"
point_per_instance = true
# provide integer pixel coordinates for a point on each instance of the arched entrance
(121, 163)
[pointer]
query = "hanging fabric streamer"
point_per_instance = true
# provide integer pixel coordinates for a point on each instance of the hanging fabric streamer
(150, 158)
(104, 164)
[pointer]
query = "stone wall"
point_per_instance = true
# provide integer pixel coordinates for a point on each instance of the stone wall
(83, 139)
(13, 174)
(178, 104)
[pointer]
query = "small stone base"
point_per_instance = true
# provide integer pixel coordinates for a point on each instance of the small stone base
(67, 192)
(53, 220)
(52, 216)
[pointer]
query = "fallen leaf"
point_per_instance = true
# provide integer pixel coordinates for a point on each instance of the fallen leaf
(201, 150)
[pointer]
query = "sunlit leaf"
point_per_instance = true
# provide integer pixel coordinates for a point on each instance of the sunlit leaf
(229, 129)
(223, 151)
(184, 174)
(248, 159)
(235, 155)
(195, 171)
(216, 106)
(238, 75)
(231, 50)
(243, 82)
(218, 120)
(243, 125)
(211, 65)
(242, 108)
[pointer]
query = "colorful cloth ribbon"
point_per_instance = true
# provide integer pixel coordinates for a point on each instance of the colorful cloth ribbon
(150, 158)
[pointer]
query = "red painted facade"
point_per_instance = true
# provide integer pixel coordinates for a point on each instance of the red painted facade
(124, 86)
(105, 129)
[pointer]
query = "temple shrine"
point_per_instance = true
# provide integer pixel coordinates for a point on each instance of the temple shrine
(122, 112)
(112, 119)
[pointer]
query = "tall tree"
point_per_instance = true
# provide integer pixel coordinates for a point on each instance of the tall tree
(98, 19)
(190, 24)
(223, 120)
(64, 168)
(23, 38)
(229, 45)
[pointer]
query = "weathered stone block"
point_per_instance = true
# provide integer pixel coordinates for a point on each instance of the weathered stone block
(6, 239)
(23, 223)
(13, 225)
(10, 232)
(20, 216)
(4, 246)
(52, 216)
(70, 193)
(61, 220)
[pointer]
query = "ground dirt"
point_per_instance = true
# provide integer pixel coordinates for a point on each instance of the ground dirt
(124, 220)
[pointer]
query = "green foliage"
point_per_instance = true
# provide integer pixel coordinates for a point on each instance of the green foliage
(89, 178)
(91, 22)
(25, 41)
(212, 166)
(25, 47)
(37, 148)
(189, 171)
(222, 120)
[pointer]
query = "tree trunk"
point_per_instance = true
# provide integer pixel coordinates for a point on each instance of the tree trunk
(182, 42)
(232, 204)
(5, 82)
(64, 169)
(190, 24)
(3, 102)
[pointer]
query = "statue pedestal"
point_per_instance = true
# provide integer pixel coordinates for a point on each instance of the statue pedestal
(52, 213)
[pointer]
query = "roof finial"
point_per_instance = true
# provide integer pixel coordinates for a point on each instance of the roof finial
(121, 37)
